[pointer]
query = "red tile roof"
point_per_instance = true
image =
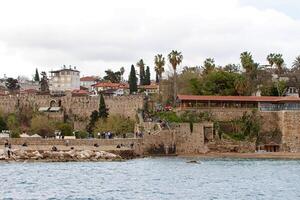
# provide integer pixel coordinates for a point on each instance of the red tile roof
(239, 98)
(152, 86)
(88, 78)
(80, 92)
(111, 85)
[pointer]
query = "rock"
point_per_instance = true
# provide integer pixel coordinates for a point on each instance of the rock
(37, 155)
(193, 162)
(1, 152)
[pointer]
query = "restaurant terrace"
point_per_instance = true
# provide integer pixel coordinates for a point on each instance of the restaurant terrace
(263, 103)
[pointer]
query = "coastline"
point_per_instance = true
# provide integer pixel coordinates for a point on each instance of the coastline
(265, 155)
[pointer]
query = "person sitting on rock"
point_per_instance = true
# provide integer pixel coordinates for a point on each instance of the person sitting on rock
(54, 148)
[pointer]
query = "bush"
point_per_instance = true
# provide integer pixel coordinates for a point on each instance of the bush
(65, 128)
(81, 134)
(3, 125)
(13, 125)
(116, 124)
(169, 117)
(42, 126)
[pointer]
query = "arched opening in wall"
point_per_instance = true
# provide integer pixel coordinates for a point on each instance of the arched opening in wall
(52, 103)
(59, 103)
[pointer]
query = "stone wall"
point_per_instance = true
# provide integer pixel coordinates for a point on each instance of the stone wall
(125, 105)
(188, 142)
(179, 140)
(289, 124)
(77, 108)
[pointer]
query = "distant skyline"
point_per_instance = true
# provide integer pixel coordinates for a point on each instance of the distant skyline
(98, 35)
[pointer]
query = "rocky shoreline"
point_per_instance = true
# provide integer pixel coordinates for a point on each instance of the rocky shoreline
(21, 155)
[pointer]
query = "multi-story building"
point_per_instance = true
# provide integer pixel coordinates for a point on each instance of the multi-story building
(64, 79)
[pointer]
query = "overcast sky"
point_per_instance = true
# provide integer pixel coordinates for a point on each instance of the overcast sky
(97, 35)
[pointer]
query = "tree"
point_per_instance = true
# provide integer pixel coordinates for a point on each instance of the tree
(66, 129)
(41, 125)
(141, 65)
(116, 124)
(159, 62)
(132, 81)
(12, 84)
(296, 63)
(3, 125)
(251, 70)
(44, 86)
(13, 125)
(276, 59)
(247, 61)
(36, 76)
(114, 77)
(241, 86)
(93, 119)
(147, 76)
(175, 59)
(209, 65)
(122, 71)
(232, 68)
(103, 111)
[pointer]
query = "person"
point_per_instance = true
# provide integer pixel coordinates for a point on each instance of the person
(9, 151)
(54, 148)
(6, 147)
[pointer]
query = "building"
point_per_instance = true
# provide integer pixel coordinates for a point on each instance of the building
(111, 89)
(66, 79)
(88, 82)
(262, 103)
(153, 88)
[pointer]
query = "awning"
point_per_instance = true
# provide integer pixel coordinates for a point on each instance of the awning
(43, 109)
(54, 109)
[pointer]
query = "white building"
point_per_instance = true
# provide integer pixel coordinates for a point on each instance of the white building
(64, 79)
(88, 81)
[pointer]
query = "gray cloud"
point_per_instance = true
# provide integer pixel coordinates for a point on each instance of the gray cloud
(95, 36)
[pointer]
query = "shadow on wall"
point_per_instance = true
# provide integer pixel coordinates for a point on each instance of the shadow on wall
(161, 149)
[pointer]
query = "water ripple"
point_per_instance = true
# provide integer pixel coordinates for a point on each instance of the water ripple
(152, 178)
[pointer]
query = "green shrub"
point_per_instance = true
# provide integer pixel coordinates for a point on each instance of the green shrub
(81, 134)
(65, 128)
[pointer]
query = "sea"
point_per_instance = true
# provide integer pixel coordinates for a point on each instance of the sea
(169, 178)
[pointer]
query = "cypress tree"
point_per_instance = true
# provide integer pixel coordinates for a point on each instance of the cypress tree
(102, 108)
(93, 119)
(147, 76)
(36, 76)
(132, 81)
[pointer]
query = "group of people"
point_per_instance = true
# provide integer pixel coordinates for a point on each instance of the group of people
(105, 135)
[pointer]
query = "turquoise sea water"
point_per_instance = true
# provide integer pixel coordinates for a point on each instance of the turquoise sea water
(152, 178)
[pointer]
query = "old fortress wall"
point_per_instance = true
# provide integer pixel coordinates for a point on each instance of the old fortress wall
(77, 108)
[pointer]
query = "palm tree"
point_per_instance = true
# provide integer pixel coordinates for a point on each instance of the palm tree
(296, 63)
(276, 59)
(175, 58)
(159, 62)
(209, 65)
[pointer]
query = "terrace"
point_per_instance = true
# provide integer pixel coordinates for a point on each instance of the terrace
(263, 103)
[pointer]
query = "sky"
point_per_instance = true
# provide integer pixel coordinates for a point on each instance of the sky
(95, 35)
